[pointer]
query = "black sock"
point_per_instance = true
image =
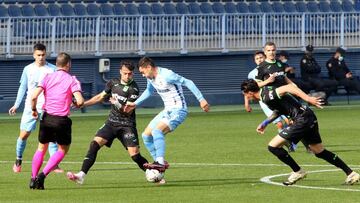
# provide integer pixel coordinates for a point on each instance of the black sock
(334, 160)
(140, 160)
(90, 157)
(285, 157)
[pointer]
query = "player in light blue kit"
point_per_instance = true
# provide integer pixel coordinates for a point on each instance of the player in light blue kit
(169, 86)
(30, 78)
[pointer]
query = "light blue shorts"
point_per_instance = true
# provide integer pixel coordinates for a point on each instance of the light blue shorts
(172, 118)
(268, 112)
(28, 122)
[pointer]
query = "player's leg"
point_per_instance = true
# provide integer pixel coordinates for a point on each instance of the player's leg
(147, 134)
(27, 125)
(104, 136)
(130, 140)
(36, 164)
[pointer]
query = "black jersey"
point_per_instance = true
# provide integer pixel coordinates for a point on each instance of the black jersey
(266, 68)
(337, 69)
(122, 93)
(286, 105)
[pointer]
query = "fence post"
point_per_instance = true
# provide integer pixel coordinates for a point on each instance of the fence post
(342, 30)
(303, 31)
(97, 37)
(223, 34)
(53, 36)
(8, 40)
(182, 35)
(140, 46)
(263, 29)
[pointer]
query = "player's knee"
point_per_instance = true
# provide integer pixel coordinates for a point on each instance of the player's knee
(157, 134)
(93, 149)
(277, 151)
(146, 137)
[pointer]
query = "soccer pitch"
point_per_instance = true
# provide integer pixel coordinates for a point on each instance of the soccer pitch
(214, 157)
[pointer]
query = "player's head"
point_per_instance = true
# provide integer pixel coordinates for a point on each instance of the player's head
(270, 50)
(259, 57)
(250, 89)
(63, 61)
(147, 67)
(126, 71)
(340, 53)
(39, 54)
(283, 56)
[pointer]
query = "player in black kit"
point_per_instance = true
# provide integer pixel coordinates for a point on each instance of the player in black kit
(119, 124)
(271, 72)
(305, 126)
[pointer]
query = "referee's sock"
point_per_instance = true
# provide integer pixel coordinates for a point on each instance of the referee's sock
(334, 160)
(90, 157)
(54, 160)
(285, 157)
(36, 163)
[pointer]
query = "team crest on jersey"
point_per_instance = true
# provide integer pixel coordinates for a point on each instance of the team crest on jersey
(279, 64)
(126, 88)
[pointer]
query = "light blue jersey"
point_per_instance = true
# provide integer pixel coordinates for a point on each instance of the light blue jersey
(30, 78)
(169, 86)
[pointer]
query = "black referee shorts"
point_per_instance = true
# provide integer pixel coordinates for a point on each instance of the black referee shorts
(55, 129)
(127, 135)
(304, 127)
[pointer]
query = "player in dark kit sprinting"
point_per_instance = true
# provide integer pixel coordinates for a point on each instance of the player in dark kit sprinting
(119, 124)
(305, 126)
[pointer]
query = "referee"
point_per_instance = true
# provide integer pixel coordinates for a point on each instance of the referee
(55, 126)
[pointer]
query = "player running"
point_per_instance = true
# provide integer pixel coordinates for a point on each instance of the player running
(120, 125)
(305, 126)
(169, 86)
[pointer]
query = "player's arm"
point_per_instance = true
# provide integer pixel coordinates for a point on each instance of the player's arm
(20, 94)
(294, 90)
(95, 99)
(34, 98)
(247, 104)
(261, 127)
(146, 94)
(175, 78)
(269, 80)
(288, 81)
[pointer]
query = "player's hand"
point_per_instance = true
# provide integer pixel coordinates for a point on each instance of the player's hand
(248, 108)
(205, 106)
(271, 78)
(261, 129)
(348, 75)
(35, 114)
(130, 106)
(12, 111)
(316, 101)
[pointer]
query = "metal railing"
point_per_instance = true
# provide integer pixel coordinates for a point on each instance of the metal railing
(177, 33)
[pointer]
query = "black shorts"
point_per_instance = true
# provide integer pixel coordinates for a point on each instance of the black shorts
(305, 128)
(127, 135)
(55, 129)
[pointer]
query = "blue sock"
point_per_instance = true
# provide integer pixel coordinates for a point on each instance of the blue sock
(159, 142)
(53, 147)
(20, 147)
(149, 144)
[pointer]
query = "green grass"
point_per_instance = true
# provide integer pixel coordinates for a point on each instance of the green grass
(225, 138)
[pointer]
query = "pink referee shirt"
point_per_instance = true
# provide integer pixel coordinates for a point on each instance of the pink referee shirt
(58, 90)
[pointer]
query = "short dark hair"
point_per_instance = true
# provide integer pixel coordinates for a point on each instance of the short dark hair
(284, 53)
(250, 85)
(128, 64)
(259, 52)
(340, 51)
(270, 44)
(39, 47)
(62, 59)
(145, 61)
(309, 48)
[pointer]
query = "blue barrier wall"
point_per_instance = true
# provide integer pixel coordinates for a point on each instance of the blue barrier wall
(217, 76)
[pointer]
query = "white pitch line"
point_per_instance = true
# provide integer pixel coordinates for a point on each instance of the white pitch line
(268, 180)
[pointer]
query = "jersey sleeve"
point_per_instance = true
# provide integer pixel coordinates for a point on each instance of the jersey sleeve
(146, 94)
(174, 78)
(75, 85)
(252, 74)
(108, 87)
(22, 88)
(133, 93)
(260, 74)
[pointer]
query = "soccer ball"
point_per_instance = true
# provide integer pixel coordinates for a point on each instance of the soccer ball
(153, 175)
